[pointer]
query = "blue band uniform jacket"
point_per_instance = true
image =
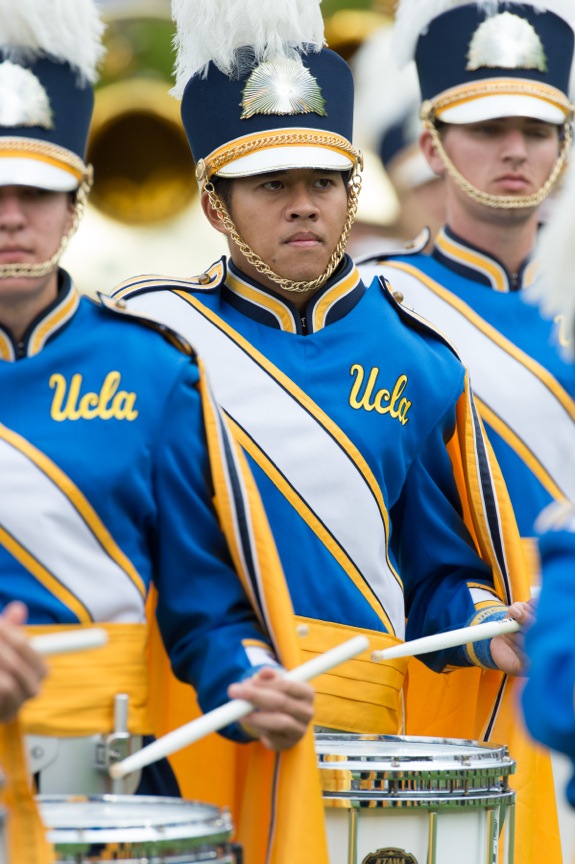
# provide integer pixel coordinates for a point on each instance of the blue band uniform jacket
(371, 462)
(523, 389)
(94, 465)
(521, 383)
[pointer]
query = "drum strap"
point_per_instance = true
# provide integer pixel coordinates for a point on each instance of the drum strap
(359, 695)
(77, 696)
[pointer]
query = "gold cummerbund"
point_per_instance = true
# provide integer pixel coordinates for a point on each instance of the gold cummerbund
(360, 695)
(77, 696)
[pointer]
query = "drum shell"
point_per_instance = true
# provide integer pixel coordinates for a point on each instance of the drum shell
(132, 828)
(422, 800)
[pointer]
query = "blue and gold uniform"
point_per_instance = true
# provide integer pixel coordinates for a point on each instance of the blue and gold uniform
(365, 442)
(122, 488)
(371, 462)
(121, 477)
(522, 383)
(83, 539)
(492, 73)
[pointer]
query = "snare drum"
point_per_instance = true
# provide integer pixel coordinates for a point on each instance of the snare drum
(136, 828)
(390, 800)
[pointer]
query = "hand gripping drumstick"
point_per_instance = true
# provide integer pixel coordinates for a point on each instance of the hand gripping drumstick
(68, 641)
(232, 711)
(450, 639)
(238, 708)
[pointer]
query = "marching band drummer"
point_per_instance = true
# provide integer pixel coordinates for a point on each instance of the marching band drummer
(357, 416)
(494, 79)
(117, 469)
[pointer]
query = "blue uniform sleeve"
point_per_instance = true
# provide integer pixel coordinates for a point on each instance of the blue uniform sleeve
(437, 557)
(206, 620)
(549, 697)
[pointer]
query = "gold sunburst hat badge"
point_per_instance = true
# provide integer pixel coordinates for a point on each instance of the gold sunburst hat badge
(282, 86)
(506, 41)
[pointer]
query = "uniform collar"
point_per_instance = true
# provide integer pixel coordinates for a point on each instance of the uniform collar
(43, 328)
(331, 303)
(473, 263)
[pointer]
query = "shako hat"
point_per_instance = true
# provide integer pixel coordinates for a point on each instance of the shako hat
(260, 92)
(48, 59)
(488, 59)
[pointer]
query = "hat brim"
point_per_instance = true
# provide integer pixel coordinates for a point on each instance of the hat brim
(16, 171)
(499, 105)
(283, 158)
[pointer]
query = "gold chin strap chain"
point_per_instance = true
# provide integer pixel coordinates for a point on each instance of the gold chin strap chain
(10, 271)
(503, 202)
(354, 188)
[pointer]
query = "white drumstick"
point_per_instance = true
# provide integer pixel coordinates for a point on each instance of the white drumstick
(232, 711)
(68, 641)
(450, 639)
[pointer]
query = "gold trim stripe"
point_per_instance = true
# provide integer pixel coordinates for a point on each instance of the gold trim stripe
(265, 301)
(475, 260)
(50, 582)
(81, 504)
(50, 158)
(6, 349)
(306, 402)
(52, 321)
(484, 327)
(345, 286)
(299, 505)
(287, 137)
(522, 450)
(210, 278)
(500, 87)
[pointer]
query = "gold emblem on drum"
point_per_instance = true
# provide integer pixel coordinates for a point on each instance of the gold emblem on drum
(390, 856)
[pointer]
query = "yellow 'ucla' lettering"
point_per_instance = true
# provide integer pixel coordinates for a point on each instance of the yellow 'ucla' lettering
(383, 401)
(562, 334)
(109, 403)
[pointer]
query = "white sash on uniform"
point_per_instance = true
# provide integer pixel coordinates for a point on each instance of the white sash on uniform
(50, 527)
(254, 395)
(540, 427)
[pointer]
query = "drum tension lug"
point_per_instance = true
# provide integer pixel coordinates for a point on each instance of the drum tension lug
(118, 745)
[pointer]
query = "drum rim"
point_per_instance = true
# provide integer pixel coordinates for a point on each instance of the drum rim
(484, 752)
(458, 771)
(410, 739)
(159, 820)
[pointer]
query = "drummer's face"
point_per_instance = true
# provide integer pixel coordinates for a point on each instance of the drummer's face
(291, 219)
(32, 224)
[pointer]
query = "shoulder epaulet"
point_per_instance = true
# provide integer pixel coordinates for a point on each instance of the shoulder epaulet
(411, 318)
(207, 281)
(412, 247)
(118, 306)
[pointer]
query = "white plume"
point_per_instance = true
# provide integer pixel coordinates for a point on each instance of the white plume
(384, 94)
(554, 288)
(414, 16)
(67, 30)
(213, 30)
